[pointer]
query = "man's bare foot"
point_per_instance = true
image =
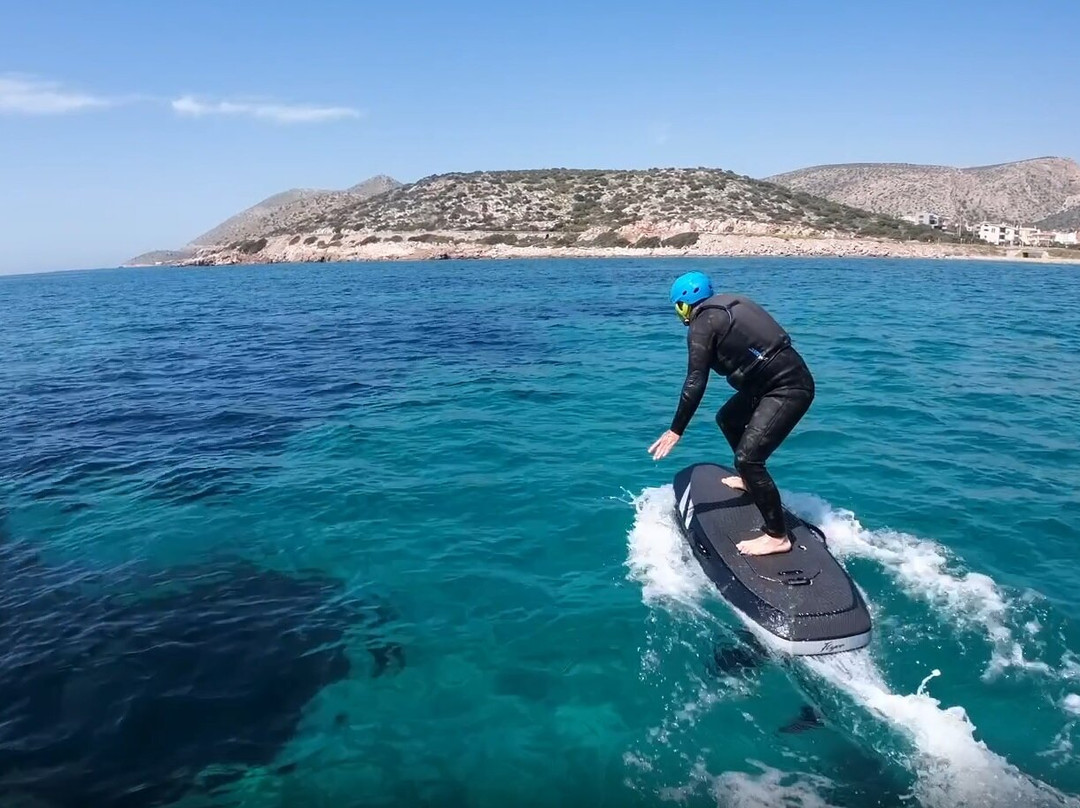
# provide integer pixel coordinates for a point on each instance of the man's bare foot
(734, 482)
(764, 545)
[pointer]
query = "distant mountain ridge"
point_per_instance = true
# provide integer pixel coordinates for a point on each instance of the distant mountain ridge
(1041, 190)
(236, 227)
(373, 186)
(668, 208)
(555, 209)
(250, 222)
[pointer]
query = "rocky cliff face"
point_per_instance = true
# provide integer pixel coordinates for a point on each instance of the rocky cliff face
(1025, 192)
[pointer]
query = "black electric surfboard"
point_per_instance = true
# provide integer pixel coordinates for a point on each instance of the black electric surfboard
(804, 598)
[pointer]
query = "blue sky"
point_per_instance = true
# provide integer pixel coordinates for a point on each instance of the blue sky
(129, 126)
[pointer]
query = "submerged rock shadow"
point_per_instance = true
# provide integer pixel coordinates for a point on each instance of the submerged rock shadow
(125, 700)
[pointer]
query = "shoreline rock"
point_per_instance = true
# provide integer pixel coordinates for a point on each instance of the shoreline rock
(359, 247)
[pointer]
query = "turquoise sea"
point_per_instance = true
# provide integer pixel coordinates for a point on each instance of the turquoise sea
(465, 443)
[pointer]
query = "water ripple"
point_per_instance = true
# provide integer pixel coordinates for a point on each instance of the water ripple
(469, 456)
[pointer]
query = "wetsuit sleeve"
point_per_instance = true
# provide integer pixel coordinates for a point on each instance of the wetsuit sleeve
(699, 350)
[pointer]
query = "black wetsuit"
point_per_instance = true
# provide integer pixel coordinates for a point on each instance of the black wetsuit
(774, 388)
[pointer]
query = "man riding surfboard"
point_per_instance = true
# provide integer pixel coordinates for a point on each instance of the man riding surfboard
(737, 338)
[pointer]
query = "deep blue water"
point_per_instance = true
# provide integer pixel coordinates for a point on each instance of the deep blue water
(465, 443)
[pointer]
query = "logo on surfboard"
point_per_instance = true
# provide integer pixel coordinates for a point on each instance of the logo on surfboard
(833, 645)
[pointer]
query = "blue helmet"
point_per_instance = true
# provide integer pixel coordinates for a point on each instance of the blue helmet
(691, 288)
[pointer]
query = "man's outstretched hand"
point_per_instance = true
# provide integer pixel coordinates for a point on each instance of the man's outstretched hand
(663, 444)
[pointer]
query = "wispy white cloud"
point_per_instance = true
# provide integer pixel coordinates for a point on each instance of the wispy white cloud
(26, 95)
(278, 113)
(30, 95)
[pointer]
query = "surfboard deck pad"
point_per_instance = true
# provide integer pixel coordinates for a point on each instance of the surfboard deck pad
(803, 598)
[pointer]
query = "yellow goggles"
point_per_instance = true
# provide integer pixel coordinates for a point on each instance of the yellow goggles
(683, 310)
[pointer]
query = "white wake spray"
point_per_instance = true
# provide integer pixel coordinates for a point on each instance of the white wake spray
(952, 768)
(921, 567)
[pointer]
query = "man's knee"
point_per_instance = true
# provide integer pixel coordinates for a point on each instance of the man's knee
(731, 420)
(746, 464)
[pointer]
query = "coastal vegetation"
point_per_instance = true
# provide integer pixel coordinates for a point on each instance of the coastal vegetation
(574, 203)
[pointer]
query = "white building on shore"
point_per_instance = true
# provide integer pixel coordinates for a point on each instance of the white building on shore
(926, 218)
(1000, 234)
(1034, 237)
